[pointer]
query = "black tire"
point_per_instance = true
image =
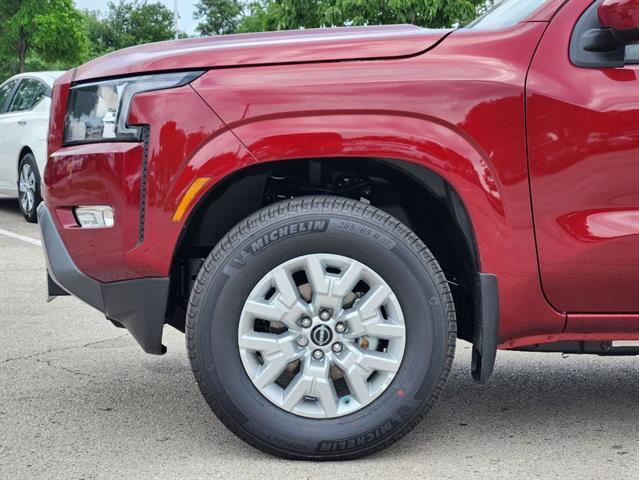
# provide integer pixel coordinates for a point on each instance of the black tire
(30, 214)
(352, 229)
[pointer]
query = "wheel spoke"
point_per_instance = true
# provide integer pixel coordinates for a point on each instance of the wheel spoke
(268, 373)
(321, 386)
(379, 328)
(348, 280)
(316, 276)
(266, 343)
(327, 397)
(322, 285)
(276, 311)
(277, 352)
(375, 298)
(372, 361)
(313, 381)
(285, 286)
(295, 392)
(288, 299)
(271, 345)
(369, 360)
(355, 324)
(357, 380)
(376, 327)
(271, 311)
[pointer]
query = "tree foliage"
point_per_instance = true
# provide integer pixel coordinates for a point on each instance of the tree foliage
(129, 23)
(50, 30)
(425, 13)
(53, 34)
(217, 17)
(266, 15)
(269, 15)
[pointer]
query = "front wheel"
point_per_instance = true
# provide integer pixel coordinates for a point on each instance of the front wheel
(29, 187)
(320, 328)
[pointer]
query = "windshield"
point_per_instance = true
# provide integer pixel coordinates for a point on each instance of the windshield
(506, 13)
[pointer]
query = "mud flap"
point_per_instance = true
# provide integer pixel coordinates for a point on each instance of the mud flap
(486, 329)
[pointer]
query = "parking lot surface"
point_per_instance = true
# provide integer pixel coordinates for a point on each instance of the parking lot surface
(80, 400)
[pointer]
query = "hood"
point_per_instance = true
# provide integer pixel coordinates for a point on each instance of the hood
(296, 46)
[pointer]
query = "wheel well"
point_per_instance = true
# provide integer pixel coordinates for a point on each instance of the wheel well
(413, 194)
(23, 152)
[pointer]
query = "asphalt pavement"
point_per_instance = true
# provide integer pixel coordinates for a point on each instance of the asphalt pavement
(80, 400)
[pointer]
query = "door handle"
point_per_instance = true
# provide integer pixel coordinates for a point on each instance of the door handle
(22, 122)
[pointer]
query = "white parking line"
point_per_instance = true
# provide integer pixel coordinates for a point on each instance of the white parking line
(32, 241)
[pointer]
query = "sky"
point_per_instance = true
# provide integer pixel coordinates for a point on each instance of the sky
(185, 11)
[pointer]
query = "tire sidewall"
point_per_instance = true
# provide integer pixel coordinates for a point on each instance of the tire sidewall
(402, 265)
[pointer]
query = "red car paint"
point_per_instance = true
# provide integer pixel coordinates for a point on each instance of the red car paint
(583, 131)
(619, 14)
(501, 114)
(317, 45)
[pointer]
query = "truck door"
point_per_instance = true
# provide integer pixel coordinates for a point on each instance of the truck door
(583, 147)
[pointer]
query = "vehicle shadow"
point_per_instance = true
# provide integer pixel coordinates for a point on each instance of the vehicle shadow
(10, 206)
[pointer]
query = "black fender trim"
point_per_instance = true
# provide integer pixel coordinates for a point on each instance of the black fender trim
(486, 331)
(139, 305)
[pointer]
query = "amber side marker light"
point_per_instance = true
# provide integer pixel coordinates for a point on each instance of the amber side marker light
(188, 197)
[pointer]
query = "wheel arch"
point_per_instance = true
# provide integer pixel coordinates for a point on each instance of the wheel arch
(425, 150)
(23, 151)
(247, 190)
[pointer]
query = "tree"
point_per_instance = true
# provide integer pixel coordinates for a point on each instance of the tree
(97, 34)
(129, 23)
(48, 29)
(217, 16)
(269, 15)
(266, 15)
(425, 13)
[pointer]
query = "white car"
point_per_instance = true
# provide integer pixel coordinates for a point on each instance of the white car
(24, 122)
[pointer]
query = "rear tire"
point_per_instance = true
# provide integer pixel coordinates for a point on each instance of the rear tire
(303, 422)
(29, 187)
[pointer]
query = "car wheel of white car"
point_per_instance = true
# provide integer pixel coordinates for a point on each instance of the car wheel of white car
(28, 187)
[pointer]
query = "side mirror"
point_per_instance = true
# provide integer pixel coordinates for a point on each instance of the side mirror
(621, 17)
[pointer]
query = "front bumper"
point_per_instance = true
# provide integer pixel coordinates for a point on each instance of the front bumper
(139, 305)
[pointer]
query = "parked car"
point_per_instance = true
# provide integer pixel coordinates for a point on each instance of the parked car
(325, 212)
(25, 100)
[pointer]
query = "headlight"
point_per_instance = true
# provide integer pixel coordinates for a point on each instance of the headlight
(98, 111)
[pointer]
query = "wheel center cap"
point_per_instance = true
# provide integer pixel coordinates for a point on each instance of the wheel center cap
(321, 335)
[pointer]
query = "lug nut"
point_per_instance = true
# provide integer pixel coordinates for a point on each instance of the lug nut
(337, 347)
(306, 322)
(318, 354)
(340, 327)
(302, 341)
(325, 315)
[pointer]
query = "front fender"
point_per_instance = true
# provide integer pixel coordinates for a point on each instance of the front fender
(504, 251)
(423, 142)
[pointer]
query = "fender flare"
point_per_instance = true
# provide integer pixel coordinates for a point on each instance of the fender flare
(440, 148)
(410, 140)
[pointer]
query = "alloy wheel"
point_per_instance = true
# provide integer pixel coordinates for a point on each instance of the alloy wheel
(321, 336)
(27, 188)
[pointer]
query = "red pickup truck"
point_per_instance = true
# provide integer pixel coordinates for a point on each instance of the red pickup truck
(325, 212)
